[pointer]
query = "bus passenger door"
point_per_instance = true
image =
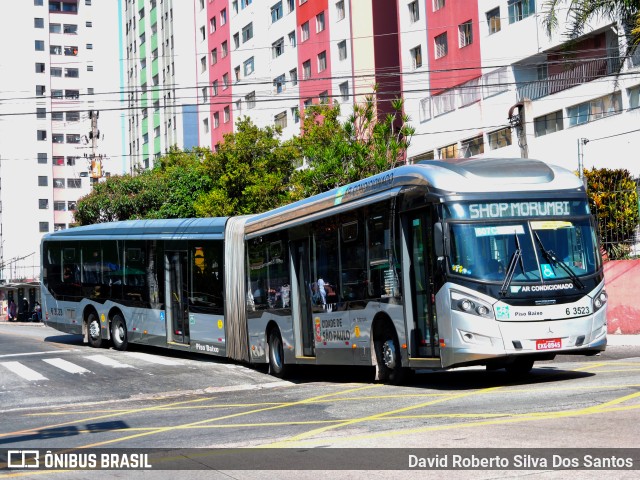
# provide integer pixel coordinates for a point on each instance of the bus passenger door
(302, 315)
(422, 269)
(177, 296)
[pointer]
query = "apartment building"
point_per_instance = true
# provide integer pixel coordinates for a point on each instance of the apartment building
(493, 83)
(58, 131)
(160, 70)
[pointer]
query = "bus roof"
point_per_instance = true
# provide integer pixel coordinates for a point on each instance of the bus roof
(449, 177)
(175, 229)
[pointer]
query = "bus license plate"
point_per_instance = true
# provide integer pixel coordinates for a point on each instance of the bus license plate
(548, 344)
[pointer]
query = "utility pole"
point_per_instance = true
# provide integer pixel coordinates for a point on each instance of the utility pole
(581, 143)
(517, 121)
(95, 160)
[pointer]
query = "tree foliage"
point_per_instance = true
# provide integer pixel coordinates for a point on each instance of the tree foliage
(613, 199)
(364, 145)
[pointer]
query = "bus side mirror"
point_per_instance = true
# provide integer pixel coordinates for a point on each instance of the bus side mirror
(438, 240)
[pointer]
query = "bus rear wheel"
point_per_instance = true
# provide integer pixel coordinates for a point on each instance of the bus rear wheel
(119, 333)
(94, 330)
(277, 367)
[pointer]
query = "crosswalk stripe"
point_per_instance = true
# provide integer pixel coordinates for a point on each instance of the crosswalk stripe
(107, 362)
(24, 372)
(66, 366)
(151, 358)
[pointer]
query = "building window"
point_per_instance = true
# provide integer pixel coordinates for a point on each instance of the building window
(441, 45)
(634, 97)
(39, 45)
(70, 29)
(58, 160)
(236, 73)
(293, 76)
(42, 158)
(71, 51)
(414, 11)
(306, 70)
(71, 72)
(248, 67)
(470, 92)
(60, 205)
(225, 81)
(450, 151)
(342, 50)
(520, 9)
(344, 91)
(443, 103)
(58, 183)
(340, 12)
(250, 98)
(552, 122)
(236, 40)
(224, 49)
(245, 3)
(304, 32)
(472, 147)
(41, 113)
(44, 227)
(295, 114)
(203, 34)
(322, 61)
(425, 109)
(276, 12)
(500, 138)
(41, 135)
(203, 64)
(277, 48)
(247, 32)
(324, 97)
(43, 181)
(71, 205)
(438, 4)
(214, 56)
(43, 204)
(416, 57)
(205, 95)
(595, 109)
(214, 88)
(74, 183)
(73, 138)
(320, 22)
(280, 120)
(38, 22)
(465, 34)
(212, 25)
(227, 114)
(278, 82)
(40, 68)
(216, 119)
(292, 39)
(493, 20)
(89, 24)
(223, 16)
(53, 49)
(495, 82)
(73, 116)
(205, 125)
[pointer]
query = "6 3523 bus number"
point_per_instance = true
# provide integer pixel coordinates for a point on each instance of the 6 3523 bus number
(578, 311)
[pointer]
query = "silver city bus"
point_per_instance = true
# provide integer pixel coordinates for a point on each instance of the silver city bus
(440, 264)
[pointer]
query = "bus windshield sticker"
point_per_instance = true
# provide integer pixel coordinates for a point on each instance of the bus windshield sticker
(547, 271)
(550, 225)
(499, 230)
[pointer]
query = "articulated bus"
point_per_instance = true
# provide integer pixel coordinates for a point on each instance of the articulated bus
(440, 264)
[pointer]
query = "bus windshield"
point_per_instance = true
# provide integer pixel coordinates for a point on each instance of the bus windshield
(544, 250)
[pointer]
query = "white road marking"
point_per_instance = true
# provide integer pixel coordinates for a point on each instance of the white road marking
(29, 354)
(66, 366)
(107, 362)
(24, 372)
(152, 358)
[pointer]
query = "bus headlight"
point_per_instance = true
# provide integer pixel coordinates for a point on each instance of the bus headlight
(599, 300)
(470, 304)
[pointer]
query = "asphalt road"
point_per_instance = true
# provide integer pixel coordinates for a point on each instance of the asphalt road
(56, 392)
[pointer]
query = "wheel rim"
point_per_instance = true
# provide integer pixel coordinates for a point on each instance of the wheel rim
(389, 354)
(94, 329)
(119, 332)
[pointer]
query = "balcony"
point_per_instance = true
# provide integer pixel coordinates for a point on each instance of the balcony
(578, 74)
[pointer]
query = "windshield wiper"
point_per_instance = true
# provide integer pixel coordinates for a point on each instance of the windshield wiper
(552, 259)
(515, 258)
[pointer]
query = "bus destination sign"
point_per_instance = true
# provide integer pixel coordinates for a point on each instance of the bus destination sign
(519, 209)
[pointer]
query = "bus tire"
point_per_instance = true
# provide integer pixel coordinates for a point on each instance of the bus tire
(119, 332)
(277, 367)
(94, 331)
(521, 366)
(390, 368)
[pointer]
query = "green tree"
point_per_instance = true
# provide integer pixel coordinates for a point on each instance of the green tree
(339, 153)
(613, 199)
(251, 171)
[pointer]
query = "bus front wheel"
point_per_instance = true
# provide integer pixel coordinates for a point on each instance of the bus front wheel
(390, 368)
(277, 367)
(94, 330)
(119, 333)
(520, 366)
